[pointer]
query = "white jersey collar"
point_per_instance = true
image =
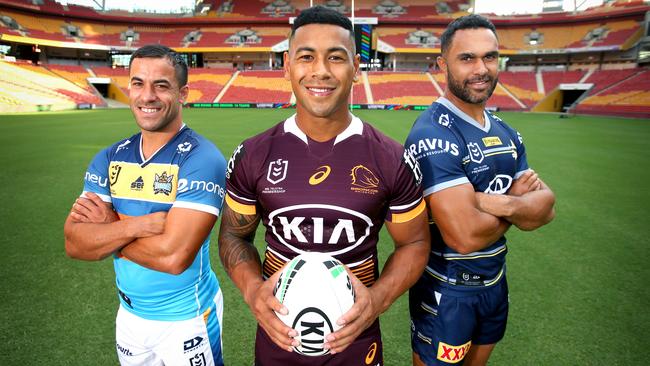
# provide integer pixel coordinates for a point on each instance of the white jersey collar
(354, 128)
(444, 101)
(145, 161)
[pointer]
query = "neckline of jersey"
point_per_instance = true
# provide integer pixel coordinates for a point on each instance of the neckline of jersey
(354, 128)
(144, 161)
(464, 116)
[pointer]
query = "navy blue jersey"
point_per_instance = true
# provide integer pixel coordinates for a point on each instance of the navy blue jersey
(453, 149)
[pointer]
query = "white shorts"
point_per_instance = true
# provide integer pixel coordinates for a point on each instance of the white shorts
(193, 342)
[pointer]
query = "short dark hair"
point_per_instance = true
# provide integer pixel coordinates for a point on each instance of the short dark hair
(322, 15)
(472, 21)
(160, 51)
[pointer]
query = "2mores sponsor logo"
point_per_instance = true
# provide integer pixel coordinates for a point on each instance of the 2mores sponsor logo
(185, 185)
(320, 224)
(452, 354)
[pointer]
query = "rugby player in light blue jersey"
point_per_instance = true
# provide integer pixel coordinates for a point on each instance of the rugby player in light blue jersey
(150, 201)
(477, 184)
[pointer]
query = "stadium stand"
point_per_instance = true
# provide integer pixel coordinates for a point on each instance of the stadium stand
(120, 76)
(523, 85)
(628, 97)
(402, 88)
(206, 84)
(258, 87)
(29, 88)
(552, 79)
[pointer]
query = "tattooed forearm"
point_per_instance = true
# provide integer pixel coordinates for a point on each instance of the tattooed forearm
(236, 239)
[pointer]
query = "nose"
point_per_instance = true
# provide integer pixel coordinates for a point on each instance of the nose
(148, 93)
(480, 68)
(320, 68)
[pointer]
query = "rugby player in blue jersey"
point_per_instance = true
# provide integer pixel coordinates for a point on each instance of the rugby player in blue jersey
(477, 184)
(150, 202)
(323, 181)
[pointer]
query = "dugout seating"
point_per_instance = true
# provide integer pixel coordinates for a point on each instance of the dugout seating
(523, 85)
(28, 88)
(402, 88)
(552, 79)
(206, 84)
(258, 87)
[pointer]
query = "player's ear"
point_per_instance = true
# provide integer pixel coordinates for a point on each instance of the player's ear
(442, 64)
(184, 92)
(357, 62)
(285, 57)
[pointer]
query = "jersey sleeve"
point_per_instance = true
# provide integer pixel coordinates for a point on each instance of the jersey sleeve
(437, 151)
(522, 160)
(96, 177)
(406, 201)
(201, 181)
(240, 187)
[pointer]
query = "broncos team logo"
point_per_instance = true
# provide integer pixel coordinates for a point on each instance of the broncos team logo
(363, 177)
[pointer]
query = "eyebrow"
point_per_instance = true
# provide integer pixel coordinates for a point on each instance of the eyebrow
(158, 81)
(329, 50)
(472, 54)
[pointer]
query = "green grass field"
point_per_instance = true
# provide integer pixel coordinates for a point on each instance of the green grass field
(577, 286)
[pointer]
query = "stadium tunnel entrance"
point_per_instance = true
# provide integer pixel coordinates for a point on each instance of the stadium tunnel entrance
(563, 98)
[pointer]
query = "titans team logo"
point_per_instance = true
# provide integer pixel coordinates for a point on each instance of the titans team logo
(475, 152)
(277, 171)
(163, 183)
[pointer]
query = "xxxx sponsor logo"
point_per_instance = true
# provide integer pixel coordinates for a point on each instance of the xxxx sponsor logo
(452, 354)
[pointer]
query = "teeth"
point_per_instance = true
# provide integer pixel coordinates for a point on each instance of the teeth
(149, 110)
(319, 90)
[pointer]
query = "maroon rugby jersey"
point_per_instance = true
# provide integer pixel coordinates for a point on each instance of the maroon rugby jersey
(324, 196)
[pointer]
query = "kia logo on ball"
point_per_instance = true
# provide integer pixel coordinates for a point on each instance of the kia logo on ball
(312, 325)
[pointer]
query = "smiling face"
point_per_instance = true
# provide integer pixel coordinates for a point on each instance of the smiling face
(155, 97)
(471, 65)
(321, 66)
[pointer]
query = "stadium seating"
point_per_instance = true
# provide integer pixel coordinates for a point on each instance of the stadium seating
(605, 78)
(523, 85)
(402, 88)
(629, 97)
(359, 93)
(119, 75)
(258, 87)
(206, 84)
(28, 88)
(552, 79)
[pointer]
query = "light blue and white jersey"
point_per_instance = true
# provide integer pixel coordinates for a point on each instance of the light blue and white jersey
(453, 149)
(188, 172)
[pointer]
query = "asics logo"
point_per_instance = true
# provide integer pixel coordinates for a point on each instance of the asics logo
(321, 174)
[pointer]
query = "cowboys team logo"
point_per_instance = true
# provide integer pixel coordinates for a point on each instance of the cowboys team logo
(115, 173)
(163, 183)
(499, 185)
(364, 180)
(277, 171)
(475, 152)
(444, 120)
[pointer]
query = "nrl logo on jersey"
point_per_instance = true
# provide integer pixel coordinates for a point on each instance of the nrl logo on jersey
(475, 152)
(277, 171)
(364, 180)
(114, 174)
(163, 183)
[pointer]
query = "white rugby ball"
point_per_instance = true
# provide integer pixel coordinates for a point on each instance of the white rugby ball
(316, 289)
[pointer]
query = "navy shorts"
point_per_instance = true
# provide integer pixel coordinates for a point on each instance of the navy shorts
(366, 350)
(445, 323)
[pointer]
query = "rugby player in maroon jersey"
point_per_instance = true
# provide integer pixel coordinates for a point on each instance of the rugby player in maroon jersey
(325, 181)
